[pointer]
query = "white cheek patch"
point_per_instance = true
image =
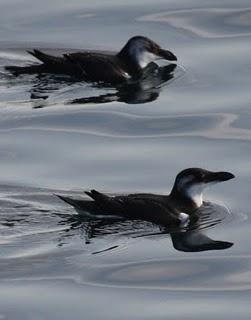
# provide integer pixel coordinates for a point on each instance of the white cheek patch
(195, 191)
(145, 57)
(142, 56)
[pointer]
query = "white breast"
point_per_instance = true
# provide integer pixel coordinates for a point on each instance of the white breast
(142, 56)
(195, 193)
(145, 57)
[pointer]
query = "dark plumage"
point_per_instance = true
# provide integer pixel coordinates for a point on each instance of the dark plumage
(172, 209)
(94, 66)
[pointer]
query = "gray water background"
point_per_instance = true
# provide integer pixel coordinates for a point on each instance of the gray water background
(48, 265)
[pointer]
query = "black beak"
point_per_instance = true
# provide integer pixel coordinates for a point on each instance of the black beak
(218, 176)
(167, 55)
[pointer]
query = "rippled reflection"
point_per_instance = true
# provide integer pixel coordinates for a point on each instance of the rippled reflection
(46, 90)
(189, 239)
(38, 214)
(48, 257)
(145, 90)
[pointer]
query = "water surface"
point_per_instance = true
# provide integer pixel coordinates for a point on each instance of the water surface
(55, 267)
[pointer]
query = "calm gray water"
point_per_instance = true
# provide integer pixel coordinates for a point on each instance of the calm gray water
(53, 266)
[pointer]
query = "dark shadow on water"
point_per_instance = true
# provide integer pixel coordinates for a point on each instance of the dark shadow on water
(136, 91)
(195, 241)
(145, 89)
(190, 238)
(65, 229)
(39, 214)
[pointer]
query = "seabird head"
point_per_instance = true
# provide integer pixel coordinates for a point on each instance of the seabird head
(142, 51)
(191, 182)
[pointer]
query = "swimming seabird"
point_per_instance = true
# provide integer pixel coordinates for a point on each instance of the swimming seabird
(168, 210)
(93, 66)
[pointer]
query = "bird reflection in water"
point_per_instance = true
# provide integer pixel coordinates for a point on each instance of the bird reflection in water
(144, 89)
(190, 238)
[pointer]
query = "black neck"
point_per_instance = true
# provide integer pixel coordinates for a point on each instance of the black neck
(129, 62)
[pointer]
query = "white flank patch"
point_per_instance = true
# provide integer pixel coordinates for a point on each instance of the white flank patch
(126, 75)
(84, 213)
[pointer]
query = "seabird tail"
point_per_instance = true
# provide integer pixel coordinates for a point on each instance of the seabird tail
(37, 68)
(28, 69)
(82, 205)
(97, 196)
(68, 200)
(45, 58)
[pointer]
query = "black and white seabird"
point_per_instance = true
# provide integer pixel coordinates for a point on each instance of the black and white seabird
(93, 66)
(167, 210)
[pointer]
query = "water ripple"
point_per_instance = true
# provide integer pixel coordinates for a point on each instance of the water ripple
(207, 23)
(184, 274)
(128, 125)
